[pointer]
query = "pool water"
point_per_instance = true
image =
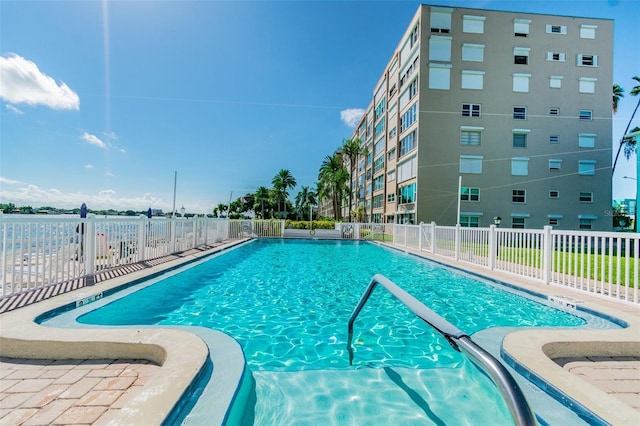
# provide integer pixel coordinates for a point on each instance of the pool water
(287, 302)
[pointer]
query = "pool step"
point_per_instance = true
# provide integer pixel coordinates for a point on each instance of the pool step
(377, 396)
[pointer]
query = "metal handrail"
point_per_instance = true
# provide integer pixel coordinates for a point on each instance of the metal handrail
(460, 341)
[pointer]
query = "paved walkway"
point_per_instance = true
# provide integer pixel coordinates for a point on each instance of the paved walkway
(67, 392)
(619, 377)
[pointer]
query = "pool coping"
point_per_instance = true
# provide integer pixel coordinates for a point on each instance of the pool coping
(183, 355)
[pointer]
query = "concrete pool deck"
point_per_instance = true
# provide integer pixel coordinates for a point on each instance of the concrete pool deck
(600, 369)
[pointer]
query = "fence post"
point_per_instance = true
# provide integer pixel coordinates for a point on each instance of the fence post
(547, 254)
(89, 244)
(457, 243)
(493, 247)
(172, 235)
(194, 229)
(420, 236)
(433, 237)
(282, 222)
(142, 243)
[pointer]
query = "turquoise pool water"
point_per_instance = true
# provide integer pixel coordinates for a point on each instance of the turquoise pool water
(288, 303)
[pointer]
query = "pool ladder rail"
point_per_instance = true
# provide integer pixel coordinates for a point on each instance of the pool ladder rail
(511, 392)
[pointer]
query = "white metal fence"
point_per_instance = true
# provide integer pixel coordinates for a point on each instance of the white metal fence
(38, 251)
(601, 263)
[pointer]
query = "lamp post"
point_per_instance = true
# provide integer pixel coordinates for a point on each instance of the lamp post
(182, 210)
(497, 220)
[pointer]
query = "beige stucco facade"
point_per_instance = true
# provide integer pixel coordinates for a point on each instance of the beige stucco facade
(518, 105)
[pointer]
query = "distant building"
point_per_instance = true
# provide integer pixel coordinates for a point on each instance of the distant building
(518, 104)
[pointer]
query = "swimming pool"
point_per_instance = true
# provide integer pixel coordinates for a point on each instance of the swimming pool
(288, 302)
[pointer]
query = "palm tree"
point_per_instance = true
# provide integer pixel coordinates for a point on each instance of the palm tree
(618, 93)
(220, 209)
(352, 149)
(304, 200)
(333, 181)
(282, 182)
(261, 195)
(629, 144)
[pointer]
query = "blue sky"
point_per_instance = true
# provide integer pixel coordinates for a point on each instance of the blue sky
(101, 102)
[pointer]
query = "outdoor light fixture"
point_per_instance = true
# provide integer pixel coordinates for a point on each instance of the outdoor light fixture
(182, 210)
(497, 220)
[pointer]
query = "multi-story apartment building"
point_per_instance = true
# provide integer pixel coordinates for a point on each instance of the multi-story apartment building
(518, 105)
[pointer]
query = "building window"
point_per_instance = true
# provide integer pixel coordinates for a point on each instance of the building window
(439, 76)
(554, 111)
(519, 140)
(521, 27)
(555, 81)
(413, 37)
(391, 176)
(391, 154)
(440, 21)
(586, 224)
(553, 221)
(391, 198)
(413, 88)
(517, 222)
(393, 90)
(555, 164)
(586, 115)
(473, 80)
(380, 108)
(587, 167)
(469, 221)
(519, 113)
(471, 110)
(554, 193)
(407, 144)
(378, 164)
(473, 24)
(556, 29)
(587, 85)
(469, 194)
(440, 48)
(521, 83)
(586, 140)
(586, 197)
(471, 164)
(556, 56)
(380, 127)
(519, 166)
(407, 169)
(521, 55)
(378, 201)
(407, 194)
(392, 132)
(554, 139)
(473, 52)
(470, 137)
(519, 196)
(378, 183)
(587, 60)
(588, 31)
(409, 117)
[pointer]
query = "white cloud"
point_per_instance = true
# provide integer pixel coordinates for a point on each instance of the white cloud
(32, 195)
(88, 166)
(21, 82)
(8, 181)
(110, 135)
(109, 174)
(14, 109)
(351, 116)
(93, 140)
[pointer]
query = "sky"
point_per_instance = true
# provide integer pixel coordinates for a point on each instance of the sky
(105, 102)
